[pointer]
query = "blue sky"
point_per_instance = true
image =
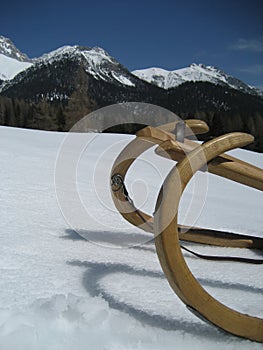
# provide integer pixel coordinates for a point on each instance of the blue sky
(146, 33)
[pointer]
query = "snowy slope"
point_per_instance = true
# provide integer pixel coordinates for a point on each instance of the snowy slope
(12, 60)
(10, 67)
(195, 72)
(59, 291)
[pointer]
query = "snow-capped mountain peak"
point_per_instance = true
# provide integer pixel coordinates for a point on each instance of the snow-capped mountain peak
(95, 54)
(8, 49)
(96, 61)
(195, 72)
(102, 66)
(56, 54)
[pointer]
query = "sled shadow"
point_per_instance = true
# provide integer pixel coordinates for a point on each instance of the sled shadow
(91, 281)
(150, 247)
(96, 271)
(72, 235)
(117, 239)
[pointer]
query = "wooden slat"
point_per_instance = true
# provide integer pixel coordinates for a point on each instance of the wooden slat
(223, 165)
(193, 126)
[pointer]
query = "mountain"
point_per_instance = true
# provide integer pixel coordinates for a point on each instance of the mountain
(51, 76)
(70, 82)
(12, 60)
(195, 72)
(96, 62)
(8, 49)
(60, 87)
(70, 70)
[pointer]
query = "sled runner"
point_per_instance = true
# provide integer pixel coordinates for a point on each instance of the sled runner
(174, 141)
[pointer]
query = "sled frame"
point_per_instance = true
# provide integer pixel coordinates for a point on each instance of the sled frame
(190, 157)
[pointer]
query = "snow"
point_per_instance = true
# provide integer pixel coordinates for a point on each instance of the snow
(155, 75)
(167, 79)
(122, 79)
(60, 291)
(10, 67)
(8, 49)
(56, 54)
(195, 72)
(96, 56)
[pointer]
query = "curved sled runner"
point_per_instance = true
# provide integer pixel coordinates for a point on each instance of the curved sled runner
(174, 141)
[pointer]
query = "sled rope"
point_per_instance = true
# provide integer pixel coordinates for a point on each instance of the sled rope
(223, 258)
(118, 184)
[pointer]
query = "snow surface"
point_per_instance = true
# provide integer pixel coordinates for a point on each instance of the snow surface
(59, 291)
(122, 79)
(10, 67)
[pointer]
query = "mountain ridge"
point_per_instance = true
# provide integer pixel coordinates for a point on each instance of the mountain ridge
(99, 64)
(96, 61)
(62, 86)
(195, 72)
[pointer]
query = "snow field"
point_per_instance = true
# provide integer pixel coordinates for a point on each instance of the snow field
(59, 291)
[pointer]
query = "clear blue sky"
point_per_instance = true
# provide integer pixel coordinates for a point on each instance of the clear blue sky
(139, 34)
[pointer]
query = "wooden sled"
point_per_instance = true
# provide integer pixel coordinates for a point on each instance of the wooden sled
(174, 141)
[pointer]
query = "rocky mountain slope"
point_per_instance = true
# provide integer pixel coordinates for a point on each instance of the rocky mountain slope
(8, 49)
